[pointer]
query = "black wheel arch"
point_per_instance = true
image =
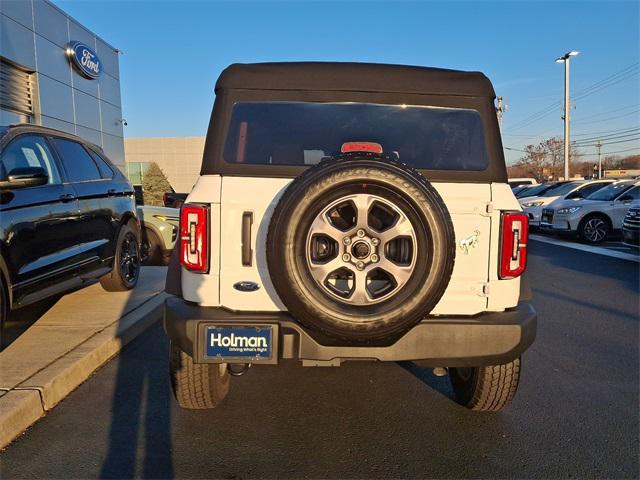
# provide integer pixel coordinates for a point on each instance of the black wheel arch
(125, 219)
(144, 227)
(5, 281)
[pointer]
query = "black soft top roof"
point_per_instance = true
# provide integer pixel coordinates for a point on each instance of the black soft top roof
(358, 77)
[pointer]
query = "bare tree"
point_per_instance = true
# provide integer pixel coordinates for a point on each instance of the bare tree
(545, 160)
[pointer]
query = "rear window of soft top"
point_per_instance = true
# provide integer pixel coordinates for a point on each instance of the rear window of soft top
(303, 133)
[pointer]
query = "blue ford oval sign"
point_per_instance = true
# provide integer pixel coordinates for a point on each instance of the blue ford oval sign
(84, 59)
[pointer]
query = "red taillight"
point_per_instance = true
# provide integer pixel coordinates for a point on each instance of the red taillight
(368, 147)
(194, 238)
(513, 247)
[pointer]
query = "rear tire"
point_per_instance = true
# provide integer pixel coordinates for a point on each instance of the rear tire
(486, 389)
(197, 385)
(152, 248)
(126, 263)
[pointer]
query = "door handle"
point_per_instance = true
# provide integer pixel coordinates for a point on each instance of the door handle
(247, 254)
(67, 197)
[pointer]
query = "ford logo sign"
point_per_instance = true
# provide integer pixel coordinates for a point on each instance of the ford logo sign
(85, 59)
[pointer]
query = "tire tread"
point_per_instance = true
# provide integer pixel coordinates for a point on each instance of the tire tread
(322, 176)
(492, 387)
(196, 385)
(112, 282)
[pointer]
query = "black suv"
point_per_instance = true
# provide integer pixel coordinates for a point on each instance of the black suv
(67, 217)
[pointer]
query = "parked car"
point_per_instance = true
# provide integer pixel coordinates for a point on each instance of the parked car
(533, 190)
(159, 232)
(631, 226)
(595, 217)
(519, 188)
(572, 190)
(334, 201)
(67, 217)
(173, 199)
(516, 182)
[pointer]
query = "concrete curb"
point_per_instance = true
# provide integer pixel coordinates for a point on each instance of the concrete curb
(23, 405)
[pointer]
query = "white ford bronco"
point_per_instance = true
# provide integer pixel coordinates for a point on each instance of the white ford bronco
(350, 212)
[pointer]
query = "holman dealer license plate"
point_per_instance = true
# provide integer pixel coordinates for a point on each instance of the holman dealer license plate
(253, 342)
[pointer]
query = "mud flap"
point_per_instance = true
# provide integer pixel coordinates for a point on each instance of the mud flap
(173, 283)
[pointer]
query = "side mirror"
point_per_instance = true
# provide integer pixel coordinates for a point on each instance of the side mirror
(626, 198)
(24, 177)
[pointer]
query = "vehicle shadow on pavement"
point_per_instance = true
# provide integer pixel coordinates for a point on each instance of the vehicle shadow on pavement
(19, 321)
(441, 385)
(140, 418)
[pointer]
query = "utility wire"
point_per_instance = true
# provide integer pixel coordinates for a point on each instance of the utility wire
(613, 79)
(595, 135)
(613, 76)
(610, 111)
(537, 116)
(621, 130)
(609, 143)
(607, 119)
(603, 138)
(622, 75)
(629, 75)
(581, 154)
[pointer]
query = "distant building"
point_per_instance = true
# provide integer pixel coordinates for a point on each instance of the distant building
(622, 173)
(57, 73)
(178, 157)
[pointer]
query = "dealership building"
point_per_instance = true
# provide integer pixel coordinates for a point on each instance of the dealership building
(56, 73)
(179, 158)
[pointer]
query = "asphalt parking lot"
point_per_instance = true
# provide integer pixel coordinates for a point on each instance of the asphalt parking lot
(576, 413)
(612, 247)
(618, 246)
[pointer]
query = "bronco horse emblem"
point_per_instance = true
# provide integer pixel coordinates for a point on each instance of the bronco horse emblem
(470, 241)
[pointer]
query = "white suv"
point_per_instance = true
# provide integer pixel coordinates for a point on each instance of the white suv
(594, 217)
(572, 190)
(351, 212)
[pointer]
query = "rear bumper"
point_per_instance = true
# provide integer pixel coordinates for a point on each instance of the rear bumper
(559, 226)
(488, 339)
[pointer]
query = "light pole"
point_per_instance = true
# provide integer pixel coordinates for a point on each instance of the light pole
(599, 146)
(566, 58)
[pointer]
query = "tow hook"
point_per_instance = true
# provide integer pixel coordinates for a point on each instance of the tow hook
(440, 371)
(238, 369)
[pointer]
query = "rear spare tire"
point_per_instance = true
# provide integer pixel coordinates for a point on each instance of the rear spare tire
(360, 248)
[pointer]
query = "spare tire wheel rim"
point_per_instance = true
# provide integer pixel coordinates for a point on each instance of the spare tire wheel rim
(361, 249)
(129, 258)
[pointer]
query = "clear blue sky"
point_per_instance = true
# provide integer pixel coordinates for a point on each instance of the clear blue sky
(174, 51)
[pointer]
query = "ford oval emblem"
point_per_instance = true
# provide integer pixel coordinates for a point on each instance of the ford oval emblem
(85, 59)
(246, 286)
